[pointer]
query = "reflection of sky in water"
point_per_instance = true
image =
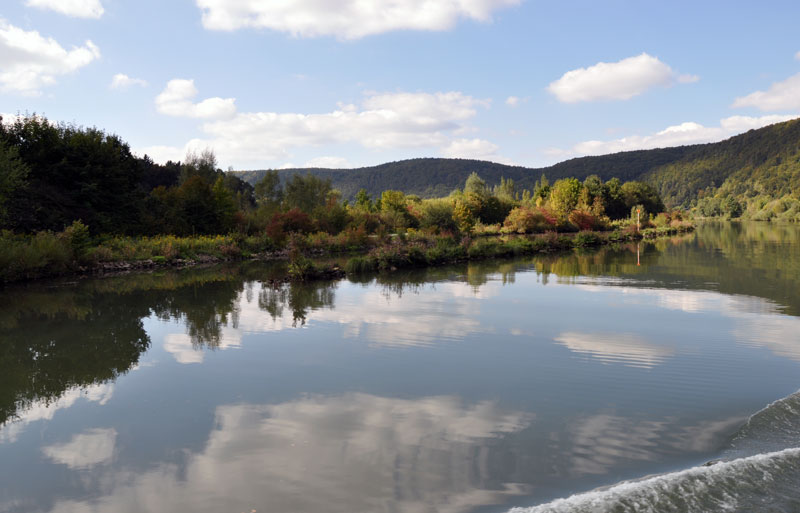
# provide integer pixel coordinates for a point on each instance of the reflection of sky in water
(756, 321)
(351, 453)
(46, 409)
(443, 398)
(93, 447)
(625, 348)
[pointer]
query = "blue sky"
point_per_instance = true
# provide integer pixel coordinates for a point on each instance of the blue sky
(340, 83)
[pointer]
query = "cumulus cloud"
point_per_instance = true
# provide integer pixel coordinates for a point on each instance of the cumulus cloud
(73, 8)
(620, 80)
(176, 100)
(328, 162)
(123, 81)
(781, 95)
(478, 149)
(469, 149)
(29, 61)
(382, 121)
(797, 56)
(345, 19)
(512, 101)
(676, 135)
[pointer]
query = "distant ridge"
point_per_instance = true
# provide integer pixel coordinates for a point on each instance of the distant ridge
(766, 160)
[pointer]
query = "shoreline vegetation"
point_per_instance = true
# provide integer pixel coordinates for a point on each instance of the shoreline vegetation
(78, 201)
(52, 255)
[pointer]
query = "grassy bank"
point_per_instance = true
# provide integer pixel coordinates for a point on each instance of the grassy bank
(73, 251)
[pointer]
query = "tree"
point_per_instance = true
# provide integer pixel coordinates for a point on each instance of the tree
(306, 192)
(268, 191)
(594, 187)
(636, 193)
(615, 205)
(476, 185)
(225, 205)
(505, 192)
(393, 201)
(198, 206)
(13, 177)
(203, 165)
(565, 195)
(363, 201)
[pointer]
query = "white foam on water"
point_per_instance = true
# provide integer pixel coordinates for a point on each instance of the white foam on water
(724, 486)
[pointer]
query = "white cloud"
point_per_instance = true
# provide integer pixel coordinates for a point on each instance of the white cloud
(469, 149)
(176, 98)
(29, 61)
(615, 80)
(797, 56)
(161, 153)
(687, 79)
(677, 135)
(781, 95)
(512, 101)
(382, 121)
(478, 149)
(328, 162)
(93, 447)
(123, 81)
(345, 19)
(74, 8)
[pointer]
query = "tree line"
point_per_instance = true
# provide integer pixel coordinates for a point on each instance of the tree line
(54, 174)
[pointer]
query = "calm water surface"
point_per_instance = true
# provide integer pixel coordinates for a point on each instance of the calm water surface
(575, 382)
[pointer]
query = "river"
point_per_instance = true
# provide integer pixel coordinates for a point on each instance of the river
(659, 376)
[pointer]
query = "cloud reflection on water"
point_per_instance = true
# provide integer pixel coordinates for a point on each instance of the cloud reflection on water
(350, 453)
(45, 409)
(87, 449)
(626, 348)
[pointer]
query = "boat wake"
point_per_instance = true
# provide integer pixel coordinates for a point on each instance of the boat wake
(758, 472)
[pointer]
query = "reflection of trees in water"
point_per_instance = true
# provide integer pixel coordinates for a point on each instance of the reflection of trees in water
(755, 259)
(204, 310)
(58, 338)
(49, 353)
(299, 298)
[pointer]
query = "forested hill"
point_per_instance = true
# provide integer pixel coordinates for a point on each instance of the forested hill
(761, 163)
(755, 167)
(436, 177)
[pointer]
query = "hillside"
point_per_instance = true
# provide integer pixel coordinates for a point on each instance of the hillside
(431, 177)
(763, 163)
(755, 168)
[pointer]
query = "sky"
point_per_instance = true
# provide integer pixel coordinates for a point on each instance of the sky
(351, 83)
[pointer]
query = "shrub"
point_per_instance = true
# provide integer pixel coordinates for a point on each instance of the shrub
(78, 238)
(359, 265)
(528, 220)
(293, 221)
(585, 239)
(585, 220)
(437, 215)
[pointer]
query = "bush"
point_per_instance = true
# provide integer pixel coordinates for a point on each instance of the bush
(586, 239)
(528, 220)
(359, 265)
(437, 215)
(585, 220)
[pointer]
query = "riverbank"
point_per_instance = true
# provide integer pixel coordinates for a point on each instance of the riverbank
(73, 253)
